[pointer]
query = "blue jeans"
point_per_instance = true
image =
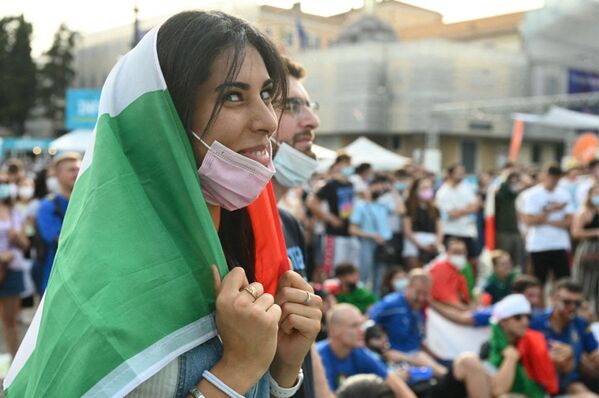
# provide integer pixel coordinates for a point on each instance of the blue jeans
(370, 273)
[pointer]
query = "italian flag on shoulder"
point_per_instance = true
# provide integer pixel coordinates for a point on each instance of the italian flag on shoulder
(131, 286)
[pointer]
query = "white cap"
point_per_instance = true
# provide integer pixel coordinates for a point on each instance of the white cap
(514, 304)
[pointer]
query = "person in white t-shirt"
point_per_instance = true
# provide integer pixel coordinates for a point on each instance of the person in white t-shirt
(548, 212)
(458, 205)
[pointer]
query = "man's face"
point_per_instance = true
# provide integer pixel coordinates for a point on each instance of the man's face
(550, 181)
(350, 281)
(66, 173)
(456, 248)
(350, 330)
(503, 267)
(298, 122)
(417, 294)
(516, 325)
(533, 295)
(458, 174)
(567, 303)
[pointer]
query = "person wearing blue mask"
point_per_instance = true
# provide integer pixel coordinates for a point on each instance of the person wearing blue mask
(338, 196)
(585, 229)
(295, 163)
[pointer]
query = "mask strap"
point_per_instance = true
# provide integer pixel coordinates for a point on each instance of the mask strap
(197, 137)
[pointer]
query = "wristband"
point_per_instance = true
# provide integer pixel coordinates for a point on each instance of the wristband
(196, 393)
(279, 392)
(218, 383)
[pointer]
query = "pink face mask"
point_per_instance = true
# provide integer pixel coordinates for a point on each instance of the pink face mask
(229, 179)
(426, 194)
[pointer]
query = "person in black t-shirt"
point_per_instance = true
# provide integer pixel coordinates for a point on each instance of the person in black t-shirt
(338, 194)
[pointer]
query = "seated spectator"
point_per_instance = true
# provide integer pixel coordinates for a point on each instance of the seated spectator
(569, 336)
(394, 280)
(360, 386)
(499, 283)
(517, 354)
(449, 285)
(401, 315)
(343, 354)
(530, 287)
(351, 290)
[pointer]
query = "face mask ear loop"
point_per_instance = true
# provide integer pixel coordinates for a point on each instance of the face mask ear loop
(197, 137)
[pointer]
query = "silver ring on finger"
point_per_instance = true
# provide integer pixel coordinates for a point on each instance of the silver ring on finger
(308, 300)
(252, 291)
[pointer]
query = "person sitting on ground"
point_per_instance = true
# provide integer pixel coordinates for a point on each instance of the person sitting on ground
(401, 315)
(569, 336)
(449, 285)
(530, 287)
(351, 290)
(518, 357)
(343, 353)
(394, 280)
(359, 386)
(499, 283)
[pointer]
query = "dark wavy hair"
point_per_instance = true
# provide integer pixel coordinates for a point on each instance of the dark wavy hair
(187, 45)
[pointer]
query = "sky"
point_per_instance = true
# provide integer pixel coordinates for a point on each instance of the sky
(93, 16)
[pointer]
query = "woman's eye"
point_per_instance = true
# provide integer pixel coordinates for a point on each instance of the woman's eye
(266, 94)
(234, 97)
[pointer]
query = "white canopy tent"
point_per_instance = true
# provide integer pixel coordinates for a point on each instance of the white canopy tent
(561, 118)
(76, 141)
(362, 150)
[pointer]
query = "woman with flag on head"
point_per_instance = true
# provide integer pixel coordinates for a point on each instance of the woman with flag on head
(134, 304)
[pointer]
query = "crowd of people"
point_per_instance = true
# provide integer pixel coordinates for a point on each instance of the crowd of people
(376, 254)
(388, 245)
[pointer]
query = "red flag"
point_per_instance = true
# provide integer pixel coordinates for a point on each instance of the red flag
(271, 254)
(517, 134)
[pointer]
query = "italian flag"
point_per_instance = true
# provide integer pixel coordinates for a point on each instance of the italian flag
(131, 287)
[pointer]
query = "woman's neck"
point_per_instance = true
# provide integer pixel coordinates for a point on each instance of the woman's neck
(215, 214)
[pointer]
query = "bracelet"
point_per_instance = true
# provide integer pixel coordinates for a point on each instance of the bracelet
(196, 393)
(218, 383)
(279, 392)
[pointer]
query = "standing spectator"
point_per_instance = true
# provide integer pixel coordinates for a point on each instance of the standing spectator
(401, 315)
(396, 203)
(361, 178)
(12, 244)
(508, 236)
(569, 336)
(370, 223)
(571, 181)
(459, 205)
(343, 353)
(519, 355)
(449, 285)
(422, 225)
(548, 213)
(28, 207)
(585, 229)
(52, 210)
(499, 283)
(338, 193)
(402, 181)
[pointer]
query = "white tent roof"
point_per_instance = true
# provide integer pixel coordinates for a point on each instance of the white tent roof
(363, 150)
(561, 117)
(76, 140)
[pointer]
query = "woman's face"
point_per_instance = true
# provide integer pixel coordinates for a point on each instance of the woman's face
(247, 118)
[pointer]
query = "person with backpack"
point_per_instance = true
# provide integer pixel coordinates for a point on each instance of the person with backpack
(51, 214)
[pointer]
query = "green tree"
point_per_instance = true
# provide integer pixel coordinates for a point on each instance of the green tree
(17, 73)
(57, 74)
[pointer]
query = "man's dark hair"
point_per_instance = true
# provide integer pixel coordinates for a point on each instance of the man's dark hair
(342, 158)
(294, 69)
(343, 269)
(554, 170)
(523, 282)
(362, 167)
(593, 163)
(568, 284)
